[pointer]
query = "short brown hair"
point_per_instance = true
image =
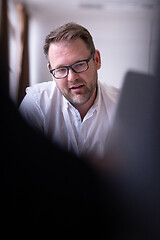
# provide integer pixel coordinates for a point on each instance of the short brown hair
(68, 32)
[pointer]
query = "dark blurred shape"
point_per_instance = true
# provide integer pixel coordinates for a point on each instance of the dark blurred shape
(4, 55)
(134, 155)
(45, 190)
(24, 65)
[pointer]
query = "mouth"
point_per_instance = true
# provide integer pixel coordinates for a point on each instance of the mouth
(76, 88)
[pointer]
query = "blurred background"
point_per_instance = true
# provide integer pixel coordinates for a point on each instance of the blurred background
(125, 32)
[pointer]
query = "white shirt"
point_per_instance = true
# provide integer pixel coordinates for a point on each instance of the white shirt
(45, 108)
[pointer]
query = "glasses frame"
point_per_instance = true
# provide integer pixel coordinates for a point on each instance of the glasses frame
(70, 67)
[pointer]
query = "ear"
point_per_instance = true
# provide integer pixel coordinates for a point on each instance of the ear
(97, 59)
(49, 66)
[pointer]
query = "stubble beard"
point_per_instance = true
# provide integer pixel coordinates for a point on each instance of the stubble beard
(82, 97)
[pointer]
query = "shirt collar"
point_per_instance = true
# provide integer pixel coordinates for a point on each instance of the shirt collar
(97, 101)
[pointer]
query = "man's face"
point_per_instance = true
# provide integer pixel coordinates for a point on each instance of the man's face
(77, 88)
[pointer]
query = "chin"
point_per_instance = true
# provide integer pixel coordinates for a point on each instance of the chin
(79, 101)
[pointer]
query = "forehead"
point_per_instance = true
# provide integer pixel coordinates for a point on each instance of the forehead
(65, 53)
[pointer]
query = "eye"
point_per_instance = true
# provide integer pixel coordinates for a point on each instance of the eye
(80, 66)
(60, 70)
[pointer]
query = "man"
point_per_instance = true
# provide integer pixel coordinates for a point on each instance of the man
(74, 109)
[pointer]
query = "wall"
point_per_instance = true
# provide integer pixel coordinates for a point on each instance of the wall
(127, 40)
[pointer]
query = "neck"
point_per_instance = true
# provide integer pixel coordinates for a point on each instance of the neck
(83, 109)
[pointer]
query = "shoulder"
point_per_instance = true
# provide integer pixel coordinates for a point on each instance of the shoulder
(40, 88)
(109, 91)
(42, 92)
(38, 100)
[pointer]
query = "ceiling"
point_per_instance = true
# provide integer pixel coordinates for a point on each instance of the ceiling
(72, 5)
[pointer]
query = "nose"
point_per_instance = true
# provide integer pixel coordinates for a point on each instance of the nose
(72, 75)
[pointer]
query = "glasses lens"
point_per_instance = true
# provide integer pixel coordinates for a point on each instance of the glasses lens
(80, 66)
(60, 73)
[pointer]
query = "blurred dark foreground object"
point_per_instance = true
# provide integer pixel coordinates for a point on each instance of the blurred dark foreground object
(133, 156)
(45, 191)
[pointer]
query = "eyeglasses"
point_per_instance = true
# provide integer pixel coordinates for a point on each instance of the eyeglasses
(77, 67)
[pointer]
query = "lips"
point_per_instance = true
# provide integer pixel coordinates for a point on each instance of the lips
(76, 87)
